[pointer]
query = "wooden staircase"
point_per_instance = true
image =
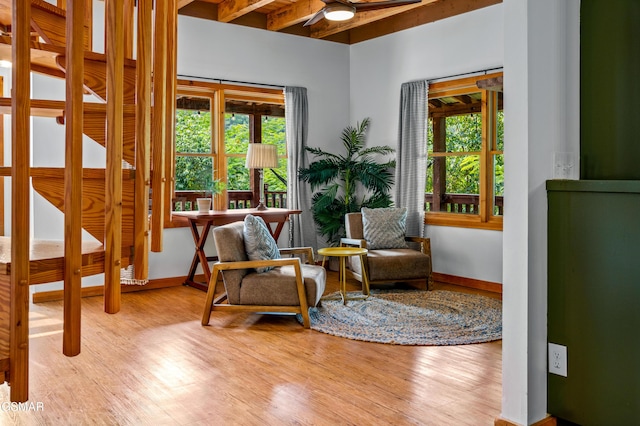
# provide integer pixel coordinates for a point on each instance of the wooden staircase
(111, 204)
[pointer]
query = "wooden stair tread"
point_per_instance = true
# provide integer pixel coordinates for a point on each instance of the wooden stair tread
(44, 54)
(58, 172)
(49, 108)
(46, 259)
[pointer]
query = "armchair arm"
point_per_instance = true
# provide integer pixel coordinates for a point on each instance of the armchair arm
(307, 251)
(346, 242)
(425, 244)
(223, 266)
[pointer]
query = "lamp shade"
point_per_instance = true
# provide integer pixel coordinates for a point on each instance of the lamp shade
(262, 156)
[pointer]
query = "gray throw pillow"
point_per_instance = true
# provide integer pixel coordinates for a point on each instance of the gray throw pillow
(258, 242)
(385, 228)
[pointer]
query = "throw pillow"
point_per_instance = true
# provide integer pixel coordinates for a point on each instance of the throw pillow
(258, 242)
(384, 228)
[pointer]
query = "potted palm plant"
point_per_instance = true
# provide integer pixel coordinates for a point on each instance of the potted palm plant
(347, 182)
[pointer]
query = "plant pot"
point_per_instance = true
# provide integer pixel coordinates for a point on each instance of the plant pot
(204, 204)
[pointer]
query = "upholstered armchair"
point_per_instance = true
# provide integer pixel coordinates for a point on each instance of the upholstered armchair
(403, 263)
(283, 285)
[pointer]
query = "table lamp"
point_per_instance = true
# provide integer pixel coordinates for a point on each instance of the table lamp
(261, 156)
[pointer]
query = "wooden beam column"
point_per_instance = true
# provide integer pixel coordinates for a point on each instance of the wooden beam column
(170, 111)
(73, 178)
(439, 163)
(20, 238)
(489, 102)
(158, 130)
(221, 202)
(143, 141)
(255, 136)
(113, 176)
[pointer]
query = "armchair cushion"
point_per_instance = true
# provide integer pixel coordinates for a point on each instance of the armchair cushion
(258, 242)
(385, 228)
(274, 287)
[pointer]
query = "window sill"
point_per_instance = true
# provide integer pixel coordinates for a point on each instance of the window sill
(463, 221)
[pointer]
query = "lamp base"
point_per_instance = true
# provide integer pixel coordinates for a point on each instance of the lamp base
(261, 206)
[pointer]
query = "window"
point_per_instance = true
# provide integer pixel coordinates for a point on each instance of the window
(214, 125)
(465, 143)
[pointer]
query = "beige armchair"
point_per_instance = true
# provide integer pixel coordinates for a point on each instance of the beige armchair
(389, 265)
(291, 286)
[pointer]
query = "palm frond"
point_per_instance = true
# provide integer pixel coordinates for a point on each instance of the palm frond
(339, 177)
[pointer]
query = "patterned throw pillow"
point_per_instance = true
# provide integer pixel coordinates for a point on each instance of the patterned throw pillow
(258, 242)
(385, 228)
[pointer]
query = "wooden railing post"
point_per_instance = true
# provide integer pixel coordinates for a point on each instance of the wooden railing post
(158, 125)
(143, 141)
(170, 104)
(73, 178)
(113, 176)
(20, 238)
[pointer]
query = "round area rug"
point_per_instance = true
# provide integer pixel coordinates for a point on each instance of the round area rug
(410, 317)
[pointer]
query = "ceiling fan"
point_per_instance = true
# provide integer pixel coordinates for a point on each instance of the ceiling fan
(342, 10)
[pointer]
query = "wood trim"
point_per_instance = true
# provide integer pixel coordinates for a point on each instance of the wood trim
(458, 86)
(55, 295)
(460, 220)
(547, 421)
(468, 282)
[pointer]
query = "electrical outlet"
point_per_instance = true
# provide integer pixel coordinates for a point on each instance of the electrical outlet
(558, 359)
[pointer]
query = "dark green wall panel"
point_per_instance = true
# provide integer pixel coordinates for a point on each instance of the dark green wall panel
(594, 300)
(610, 89)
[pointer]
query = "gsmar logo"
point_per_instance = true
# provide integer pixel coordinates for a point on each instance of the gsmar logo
(22, 406)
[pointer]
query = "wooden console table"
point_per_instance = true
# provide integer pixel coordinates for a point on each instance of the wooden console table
(205, 220)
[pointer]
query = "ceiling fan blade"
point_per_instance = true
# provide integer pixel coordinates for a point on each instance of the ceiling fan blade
(382, 4)
(315, 18)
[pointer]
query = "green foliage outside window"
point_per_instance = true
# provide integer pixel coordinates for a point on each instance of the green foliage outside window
(464, 134)
(193, 136)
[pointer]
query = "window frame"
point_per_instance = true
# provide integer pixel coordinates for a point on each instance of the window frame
(218, 93)
(485, 219)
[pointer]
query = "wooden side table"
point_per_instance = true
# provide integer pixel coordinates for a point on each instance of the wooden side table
(342, 253)
(272, 216)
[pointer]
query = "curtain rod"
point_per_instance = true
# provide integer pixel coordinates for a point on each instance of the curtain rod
(221, 81)
(485, 71)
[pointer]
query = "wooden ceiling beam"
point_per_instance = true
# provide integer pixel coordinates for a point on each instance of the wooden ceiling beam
(325, 28)
(465, 99)
(228, 10)
(492, 84)
(183, 3)
(422, 15)
(293, 14)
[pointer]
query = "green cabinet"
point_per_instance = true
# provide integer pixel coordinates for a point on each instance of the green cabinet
(594, 300)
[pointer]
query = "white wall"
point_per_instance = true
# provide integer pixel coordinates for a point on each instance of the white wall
(542, 74)
(464, 43)
(226, 51)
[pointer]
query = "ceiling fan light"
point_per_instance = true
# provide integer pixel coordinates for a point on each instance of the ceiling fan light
(339, 12)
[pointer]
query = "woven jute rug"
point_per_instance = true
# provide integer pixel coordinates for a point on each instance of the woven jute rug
(411, 317)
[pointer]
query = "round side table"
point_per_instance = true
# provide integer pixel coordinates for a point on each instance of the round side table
(342, 253)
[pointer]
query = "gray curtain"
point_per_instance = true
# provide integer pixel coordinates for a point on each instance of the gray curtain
(302, 230)
(411, 162)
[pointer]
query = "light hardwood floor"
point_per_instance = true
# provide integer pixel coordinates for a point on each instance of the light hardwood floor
(154, 364)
